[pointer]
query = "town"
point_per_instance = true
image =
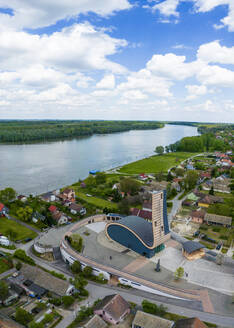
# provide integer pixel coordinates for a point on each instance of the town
(81, 256)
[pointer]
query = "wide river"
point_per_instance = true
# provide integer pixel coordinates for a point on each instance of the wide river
(39, 167)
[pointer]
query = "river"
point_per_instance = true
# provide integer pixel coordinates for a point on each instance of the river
(39, 167)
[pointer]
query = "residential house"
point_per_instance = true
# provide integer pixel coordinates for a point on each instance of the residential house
(193, 250)
(205, 175)
(38, 217)
(197, 216)
(205, 201)
(113, 309)
(190, 323)
(218, 219)
(176, 186)
(143, 177)
(192, 197)
(69, 194)
(32, 277)
(48, 197)
(190, 167)
(95, 322)
(22, 198)
(77, 209)
(221, 184)
(187, 203)
(147, 320)
(52, 209)
(60, 217)
(3, 209)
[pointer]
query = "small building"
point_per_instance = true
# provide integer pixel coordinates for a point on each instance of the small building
(38, 217)
(69, 194)
(44, 280)
(205, 201)
(190, 323)
(48, 197)
(77, 209)
(60, 217)
(193, 250)
(147, 320)
(95, 322)
(113, 309)
(52, 209)
(3, 209)
(143, 177)
(197, 216)
(218, 219)
(22, 198)
(192, 197)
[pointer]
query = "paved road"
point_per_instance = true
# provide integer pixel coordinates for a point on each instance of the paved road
(7, 273)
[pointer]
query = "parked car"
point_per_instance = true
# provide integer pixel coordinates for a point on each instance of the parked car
(202, 235)
(27, 240)
(220, 244)
(196, 233)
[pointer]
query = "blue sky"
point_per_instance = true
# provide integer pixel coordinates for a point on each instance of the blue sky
(117, 59)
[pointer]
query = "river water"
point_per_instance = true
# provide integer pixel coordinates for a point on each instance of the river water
(39, 167)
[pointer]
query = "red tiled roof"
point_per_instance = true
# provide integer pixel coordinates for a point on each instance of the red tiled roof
(198, 214)
(1, 206)
(52, 208)
(141, 213)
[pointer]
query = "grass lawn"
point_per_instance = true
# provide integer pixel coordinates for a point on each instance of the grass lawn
(3, 266)
(155, 164)
(21, 231)
(101, 203)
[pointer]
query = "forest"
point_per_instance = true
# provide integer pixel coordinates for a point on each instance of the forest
(13, 131)
(205, 142)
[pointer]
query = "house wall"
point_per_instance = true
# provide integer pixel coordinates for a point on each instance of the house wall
(197, 220)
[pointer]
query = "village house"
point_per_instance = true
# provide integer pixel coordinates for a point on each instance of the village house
(147, 320)
(22, 198)
(197, 216)
(68, 194)
(38, 217)
(218, 219)
(95, 322)
(38, 282)
(113, 309)
(190, 323)
(77, 209)
(143, 177)
(48, 197)
(3, 209)
(207, 200)
(60, 217)
(52, 209)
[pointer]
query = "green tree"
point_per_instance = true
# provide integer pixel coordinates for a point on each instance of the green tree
(68, 300)
(34, 324)
(211, 191)
(76, 267)
(18, 265)
(124, 207)
(159, 150)
(25, 213)
(3, 290)
(23, 317)
(191, 179)
(179, 273)
(7, 195)
(79, 282)
(88, 272)
(129, 185)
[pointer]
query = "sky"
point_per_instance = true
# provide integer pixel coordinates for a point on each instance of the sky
(117, 59)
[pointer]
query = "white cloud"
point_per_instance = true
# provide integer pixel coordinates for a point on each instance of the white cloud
(108, 82)
(70, 50)
(40, 13)
(167, 8)
(216, 76)
(195, 91)
(213, 52)
(170, 8)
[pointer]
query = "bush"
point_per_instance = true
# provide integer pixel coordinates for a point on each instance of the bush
(153, 308)
(21, 255)
(169, 204)
(18, 265)
(58, 275)
(179, 273)
(23, 317)
(55, 301)
(76, 267)
(68, 301)
(224, 237)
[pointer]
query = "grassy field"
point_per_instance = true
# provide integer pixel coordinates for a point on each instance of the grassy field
(21, 231)
(155, 164)
(101, 203)
(3, 266)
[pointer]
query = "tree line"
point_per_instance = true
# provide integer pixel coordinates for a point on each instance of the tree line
(30, 131)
